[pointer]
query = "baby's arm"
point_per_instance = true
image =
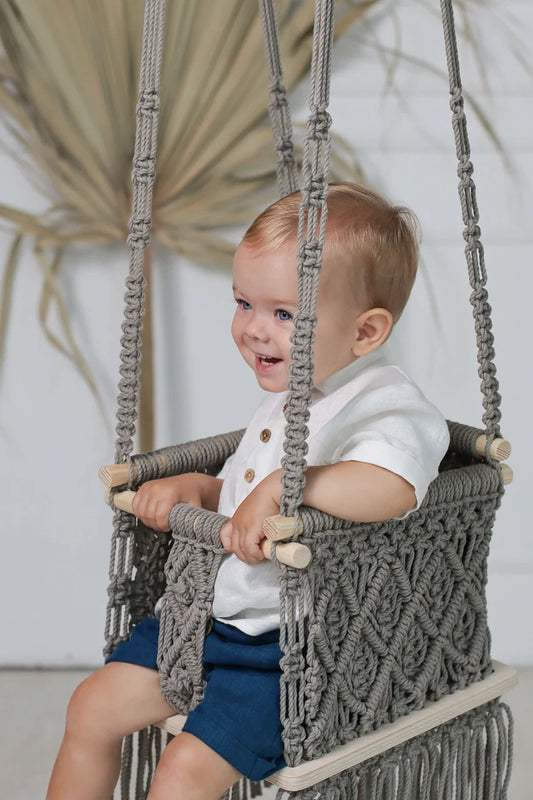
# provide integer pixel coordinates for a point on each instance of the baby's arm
(352, 490)
(154, 500)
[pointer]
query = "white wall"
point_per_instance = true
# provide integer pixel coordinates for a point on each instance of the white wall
(55, 527)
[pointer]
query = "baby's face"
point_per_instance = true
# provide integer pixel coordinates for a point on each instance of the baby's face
(266, 292)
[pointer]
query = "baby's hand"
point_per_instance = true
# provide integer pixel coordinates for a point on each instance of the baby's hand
(243, 533)
(154, 500)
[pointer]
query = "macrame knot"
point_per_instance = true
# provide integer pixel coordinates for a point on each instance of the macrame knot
(139, 236)
(120, 588)
(148, 102)
(311, 257)
(319, 124)
(303, 322)
(457, 103)
(465, 169)
(285, 150)
(479, 299)
(300, 367)
(297, 439)
(134, 285)
(472, 231)
(293, 467)
(144, 169)
(302, 383)
(293, 666)
(302, 336)
(315, 191)
(278, 93)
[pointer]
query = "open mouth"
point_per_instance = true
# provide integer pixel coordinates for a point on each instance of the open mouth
(264, 362)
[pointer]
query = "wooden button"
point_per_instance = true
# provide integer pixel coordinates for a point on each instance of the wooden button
(265, 435)
(249, 475)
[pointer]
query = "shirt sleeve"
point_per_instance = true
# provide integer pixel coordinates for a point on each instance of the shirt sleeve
(394, 427)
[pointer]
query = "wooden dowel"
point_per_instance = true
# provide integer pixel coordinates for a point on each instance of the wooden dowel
(500, 449)
(119, 474)
(278, 528)
(291, 554)
(507, 473)
(122, 500)
(115, 475)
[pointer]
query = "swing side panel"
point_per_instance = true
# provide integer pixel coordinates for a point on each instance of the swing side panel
(398, 614)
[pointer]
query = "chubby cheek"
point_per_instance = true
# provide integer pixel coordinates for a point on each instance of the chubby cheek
(237, 332)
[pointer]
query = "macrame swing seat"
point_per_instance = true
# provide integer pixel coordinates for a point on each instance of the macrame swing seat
(394, 695)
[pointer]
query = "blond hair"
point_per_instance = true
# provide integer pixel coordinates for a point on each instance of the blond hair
(375, 242)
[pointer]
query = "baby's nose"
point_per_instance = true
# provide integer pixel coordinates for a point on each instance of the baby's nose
(257, 328)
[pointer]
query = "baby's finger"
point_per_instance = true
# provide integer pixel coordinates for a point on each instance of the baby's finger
(249, 549)
(226, 536)
(161, 517)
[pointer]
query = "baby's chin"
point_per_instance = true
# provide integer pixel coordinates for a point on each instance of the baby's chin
(269, 385)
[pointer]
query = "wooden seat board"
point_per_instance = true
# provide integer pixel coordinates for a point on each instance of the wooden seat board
(390, 735)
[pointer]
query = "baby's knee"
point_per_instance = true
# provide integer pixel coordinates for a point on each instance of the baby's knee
(87, 711)
(181, 758)
(194, 767)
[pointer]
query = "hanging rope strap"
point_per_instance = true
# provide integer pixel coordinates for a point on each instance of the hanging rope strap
(311, 234)
(311, 230)
(475, 258)
(278, 109)
(143, 177)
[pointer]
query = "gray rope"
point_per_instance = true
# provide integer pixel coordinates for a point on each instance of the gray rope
(467, 758)
(143, 177)
(278, 108)
(474, 253)
(311, 234)
(311, 229)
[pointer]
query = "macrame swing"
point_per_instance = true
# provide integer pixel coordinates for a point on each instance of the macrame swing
(396, 620)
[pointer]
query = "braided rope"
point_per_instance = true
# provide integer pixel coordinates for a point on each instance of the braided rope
(278, 109)
(121, 589)
(143, 177)
(311, 234)
(474, 253)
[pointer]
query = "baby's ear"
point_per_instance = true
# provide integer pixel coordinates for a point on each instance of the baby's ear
(372, 329)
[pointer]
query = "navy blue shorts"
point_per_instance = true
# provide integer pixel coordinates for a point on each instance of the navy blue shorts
(239, 716)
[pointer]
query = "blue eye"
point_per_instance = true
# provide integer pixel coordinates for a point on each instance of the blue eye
(283, 315)
(244, 304)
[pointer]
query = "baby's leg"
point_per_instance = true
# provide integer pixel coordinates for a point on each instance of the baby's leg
(116, 700)
(190, 770)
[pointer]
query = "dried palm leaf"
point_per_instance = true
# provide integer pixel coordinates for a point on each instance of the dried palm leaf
(68, 89)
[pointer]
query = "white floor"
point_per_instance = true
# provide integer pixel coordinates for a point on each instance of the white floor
(32, 707)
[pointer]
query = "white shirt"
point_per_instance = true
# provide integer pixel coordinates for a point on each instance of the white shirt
(369, 411)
